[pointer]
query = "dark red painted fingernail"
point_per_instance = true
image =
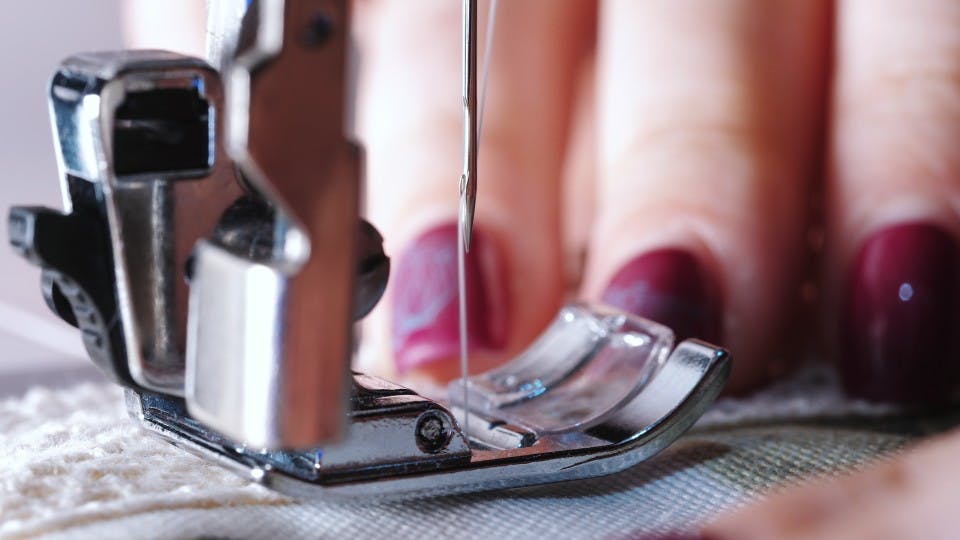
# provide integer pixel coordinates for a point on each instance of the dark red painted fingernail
(901, 315)
(671, 287)
(426, 302)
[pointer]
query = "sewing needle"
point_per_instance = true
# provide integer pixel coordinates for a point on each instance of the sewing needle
(468, 187)
(472, 124)
(468, 180)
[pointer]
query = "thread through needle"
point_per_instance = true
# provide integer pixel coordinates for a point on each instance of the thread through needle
(473, 124)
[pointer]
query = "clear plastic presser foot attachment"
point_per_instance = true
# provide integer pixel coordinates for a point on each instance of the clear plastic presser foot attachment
(598, 392)
(584, 368)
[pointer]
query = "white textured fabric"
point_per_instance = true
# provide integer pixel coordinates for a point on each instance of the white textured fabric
(74, 466)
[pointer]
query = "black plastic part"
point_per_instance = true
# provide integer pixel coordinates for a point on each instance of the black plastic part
(53, 295)
(78, 280)
(373, 271)
(247, 230)
(162, 131)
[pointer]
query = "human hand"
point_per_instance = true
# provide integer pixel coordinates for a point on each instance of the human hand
(715, 163)
(911, 497)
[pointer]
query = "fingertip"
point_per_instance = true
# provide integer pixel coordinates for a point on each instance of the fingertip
(698, 162)
(891, 267)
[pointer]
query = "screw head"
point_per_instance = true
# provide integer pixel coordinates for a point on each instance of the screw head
(433, 432)
(318, 30)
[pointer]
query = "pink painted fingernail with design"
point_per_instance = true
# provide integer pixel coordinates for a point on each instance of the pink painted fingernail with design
(425, 321)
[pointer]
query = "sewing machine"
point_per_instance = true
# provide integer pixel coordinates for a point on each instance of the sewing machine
(212, 254)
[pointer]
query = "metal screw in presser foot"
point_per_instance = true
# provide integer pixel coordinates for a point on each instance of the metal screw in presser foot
(432, 433)
(318, 31)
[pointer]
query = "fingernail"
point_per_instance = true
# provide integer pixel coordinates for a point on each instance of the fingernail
(901, 316)
(671, 287)
(426, 301)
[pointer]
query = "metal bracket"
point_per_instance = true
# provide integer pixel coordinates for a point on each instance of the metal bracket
(144, 177)
(401, 445)
(283, 384)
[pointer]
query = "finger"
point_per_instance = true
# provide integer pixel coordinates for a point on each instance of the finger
(709, 122)
(912, 497)
(411, 125)
(580, 176)
(174, 25)
(894, 196)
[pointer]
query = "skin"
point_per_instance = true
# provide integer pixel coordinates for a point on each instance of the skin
(912, 497)
(757, 155)
(709, 126)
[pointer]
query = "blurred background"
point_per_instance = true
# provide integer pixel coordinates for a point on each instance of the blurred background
(34, 37)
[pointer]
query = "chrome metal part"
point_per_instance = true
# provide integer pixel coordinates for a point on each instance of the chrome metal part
(471, 132)
(136, 135)
(500, 455)
(270, 339)
(384, 436)
(223, 30)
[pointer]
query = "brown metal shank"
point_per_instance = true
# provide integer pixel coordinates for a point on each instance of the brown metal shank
(300, 158)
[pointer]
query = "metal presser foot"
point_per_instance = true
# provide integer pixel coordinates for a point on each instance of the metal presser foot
(212, 255)
(599, 392)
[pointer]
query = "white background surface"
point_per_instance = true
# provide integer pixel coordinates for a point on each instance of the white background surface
(35, 35)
